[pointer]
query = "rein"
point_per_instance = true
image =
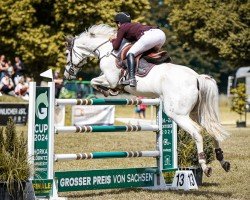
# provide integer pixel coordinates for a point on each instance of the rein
(107, 54)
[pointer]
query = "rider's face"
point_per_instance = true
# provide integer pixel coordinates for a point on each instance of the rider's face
(118, 24)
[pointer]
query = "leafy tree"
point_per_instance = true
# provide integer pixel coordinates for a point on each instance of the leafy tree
(35, 29)
(239, 99)
(219, 27)
(182, 54)
(22, 34)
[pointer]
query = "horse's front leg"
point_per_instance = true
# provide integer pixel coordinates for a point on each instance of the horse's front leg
(219, 156)
(111, 72)
(101, 84)
(100, 80)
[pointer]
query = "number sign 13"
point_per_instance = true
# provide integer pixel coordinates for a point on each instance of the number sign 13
(184, 179)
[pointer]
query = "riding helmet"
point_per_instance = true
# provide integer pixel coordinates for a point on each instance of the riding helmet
(122, 17)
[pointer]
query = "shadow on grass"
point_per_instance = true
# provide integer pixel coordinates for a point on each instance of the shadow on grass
(210, 184)
(197, 193)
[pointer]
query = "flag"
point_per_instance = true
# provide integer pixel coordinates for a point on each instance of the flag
(47, 74)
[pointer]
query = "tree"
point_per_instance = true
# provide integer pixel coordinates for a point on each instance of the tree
(180, 53)
(219, 27)
(239, 100)
(35, 29)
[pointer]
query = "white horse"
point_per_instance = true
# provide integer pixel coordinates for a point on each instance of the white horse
(189, 99)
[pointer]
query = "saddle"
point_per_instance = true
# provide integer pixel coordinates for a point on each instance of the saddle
(144, 62)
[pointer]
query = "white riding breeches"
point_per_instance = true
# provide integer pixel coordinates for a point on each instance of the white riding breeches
(153, 38)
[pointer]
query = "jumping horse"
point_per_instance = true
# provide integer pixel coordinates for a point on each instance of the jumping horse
(189, 99)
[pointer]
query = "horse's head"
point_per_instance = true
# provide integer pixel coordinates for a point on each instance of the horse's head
(85, 45)
(74, 60)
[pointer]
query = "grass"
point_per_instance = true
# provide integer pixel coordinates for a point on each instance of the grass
(8, 99)
(227, 116)
(220, 186)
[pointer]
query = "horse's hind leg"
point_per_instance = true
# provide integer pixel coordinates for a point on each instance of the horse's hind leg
(219, 156)
(186, 123)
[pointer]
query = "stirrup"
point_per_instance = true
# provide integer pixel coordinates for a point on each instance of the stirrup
(130, 82)
(126, 82)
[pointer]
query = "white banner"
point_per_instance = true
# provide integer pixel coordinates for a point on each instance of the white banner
(93, 115)
(59, 115)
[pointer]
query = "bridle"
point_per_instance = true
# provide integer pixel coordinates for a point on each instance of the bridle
(95, 52)
(71, 71)
(106, 55)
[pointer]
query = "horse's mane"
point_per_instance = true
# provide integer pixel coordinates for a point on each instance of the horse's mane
(95, 31)
(102, 30)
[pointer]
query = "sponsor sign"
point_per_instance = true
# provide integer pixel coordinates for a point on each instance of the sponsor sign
(167, 142)
(43, 187)
(104, 179)
(93, 115)
(18, 112)
(41, 134)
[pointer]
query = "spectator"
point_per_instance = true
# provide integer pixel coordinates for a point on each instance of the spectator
(21, 89)
(140, 110)
(27, 81)
(11, 69)
(7, 85)
(143, 111)
(81, 88)
(58, 83)
(137, 111)
(16, 79)
(18, 67)
(3, 66)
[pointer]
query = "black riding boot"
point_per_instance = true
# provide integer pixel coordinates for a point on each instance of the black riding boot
(131, 71)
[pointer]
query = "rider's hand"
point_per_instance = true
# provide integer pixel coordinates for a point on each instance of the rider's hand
(113, 37)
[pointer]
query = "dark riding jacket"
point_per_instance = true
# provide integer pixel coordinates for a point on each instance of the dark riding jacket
(130, 31)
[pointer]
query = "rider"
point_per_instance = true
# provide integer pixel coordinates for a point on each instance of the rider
(144, 38)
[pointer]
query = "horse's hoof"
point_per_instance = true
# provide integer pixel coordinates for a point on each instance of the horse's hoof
(226, 166)
(105, 93)
(208, 171)
(113, 92)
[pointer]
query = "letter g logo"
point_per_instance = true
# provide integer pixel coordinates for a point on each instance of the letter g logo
(42, 113)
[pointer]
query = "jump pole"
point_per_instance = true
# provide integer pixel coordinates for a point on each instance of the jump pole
(41, 146)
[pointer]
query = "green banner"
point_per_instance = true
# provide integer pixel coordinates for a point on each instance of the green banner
(105, 179)
(41, 135)
(43, 188)
(167, 142)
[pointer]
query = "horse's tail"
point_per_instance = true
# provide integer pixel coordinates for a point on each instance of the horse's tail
(208, 110)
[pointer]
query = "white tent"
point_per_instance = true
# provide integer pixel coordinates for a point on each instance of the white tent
(244, 72)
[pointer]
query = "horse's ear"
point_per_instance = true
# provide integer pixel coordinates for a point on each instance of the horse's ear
(68, 38)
